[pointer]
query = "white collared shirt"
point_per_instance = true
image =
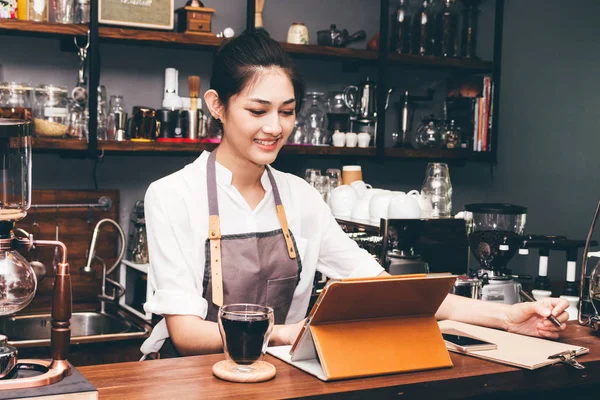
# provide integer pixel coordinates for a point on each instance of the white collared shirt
(176, 212)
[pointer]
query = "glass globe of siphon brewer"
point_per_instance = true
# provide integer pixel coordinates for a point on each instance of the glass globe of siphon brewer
(436, 192)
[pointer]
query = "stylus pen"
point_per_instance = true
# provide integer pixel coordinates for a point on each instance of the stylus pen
(551, 317)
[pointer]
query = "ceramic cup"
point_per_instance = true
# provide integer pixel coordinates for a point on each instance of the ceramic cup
(339, 139)
(364, 139)
(378, 206)
(360, 187)
(360, 212)
(351, 139)
(403, 206)
(418, 197)
(298, 34)
(342, 200)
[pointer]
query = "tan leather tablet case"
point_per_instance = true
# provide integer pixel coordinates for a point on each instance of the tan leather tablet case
(365, 327)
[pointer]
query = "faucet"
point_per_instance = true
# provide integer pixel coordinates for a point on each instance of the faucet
(87, 269)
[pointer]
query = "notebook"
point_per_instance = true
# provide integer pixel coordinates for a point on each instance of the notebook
(512, 349)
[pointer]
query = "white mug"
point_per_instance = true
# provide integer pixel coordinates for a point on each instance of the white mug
(360, 187)
(403, 206)
(417, 195)
(378, 206)
(342, 200)
(351, 139)
(364, 139)
(360, 212)
(339, 139)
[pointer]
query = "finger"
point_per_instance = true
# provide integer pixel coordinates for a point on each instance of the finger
(564, 317)
(541, 308)
(548, 325)
(557, 305)
(548, 334)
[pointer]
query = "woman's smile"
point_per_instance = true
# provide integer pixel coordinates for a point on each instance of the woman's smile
(268, 144)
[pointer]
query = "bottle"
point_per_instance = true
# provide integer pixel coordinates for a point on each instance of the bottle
(401, 39)
(449, 29)
(421, 39)
(82, 12)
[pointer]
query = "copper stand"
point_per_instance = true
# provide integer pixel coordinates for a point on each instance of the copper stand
(60, 336)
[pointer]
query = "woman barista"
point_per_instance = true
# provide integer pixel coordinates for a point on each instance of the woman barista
(228, 228)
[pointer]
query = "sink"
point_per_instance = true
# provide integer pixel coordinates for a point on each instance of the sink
(86, 327)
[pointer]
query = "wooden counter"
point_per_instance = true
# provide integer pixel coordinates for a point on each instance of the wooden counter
(191, 377)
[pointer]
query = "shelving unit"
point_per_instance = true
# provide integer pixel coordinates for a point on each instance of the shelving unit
(73, 145)
(383, 58)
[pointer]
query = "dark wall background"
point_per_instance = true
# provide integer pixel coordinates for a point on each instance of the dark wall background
(548, 115)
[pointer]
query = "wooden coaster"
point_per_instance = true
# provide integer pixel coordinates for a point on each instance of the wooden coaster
(263, 371)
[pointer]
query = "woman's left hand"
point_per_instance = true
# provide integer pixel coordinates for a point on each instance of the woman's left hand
(530, 318)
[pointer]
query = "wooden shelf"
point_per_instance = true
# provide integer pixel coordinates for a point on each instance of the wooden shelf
(50, 144)
(438, 154)
(145, 36)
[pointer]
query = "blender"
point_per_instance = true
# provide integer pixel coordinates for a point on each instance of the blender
(495, 232)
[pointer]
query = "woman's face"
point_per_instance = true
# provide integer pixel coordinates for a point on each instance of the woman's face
(261, 117)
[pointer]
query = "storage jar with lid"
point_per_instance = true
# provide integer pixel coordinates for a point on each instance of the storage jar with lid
(51, 110)
(15, 100)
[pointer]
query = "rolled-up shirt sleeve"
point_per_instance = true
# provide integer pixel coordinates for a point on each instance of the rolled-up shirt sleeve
(339, 256)
(173, 281)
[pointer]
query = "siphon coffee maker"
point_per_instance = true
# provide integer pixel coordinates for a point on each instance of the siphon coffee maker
(17, 277)
(495, 232)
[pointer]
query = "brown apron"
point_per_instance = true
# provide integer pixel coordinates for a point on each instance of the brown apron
(258, 268)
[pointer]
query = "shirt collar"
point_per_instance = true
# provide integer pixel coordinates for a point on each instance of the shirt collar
(224, 175)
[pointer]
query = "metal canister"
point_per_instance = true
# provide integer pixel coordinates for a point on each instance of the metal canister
(8, 357)
(467, 287)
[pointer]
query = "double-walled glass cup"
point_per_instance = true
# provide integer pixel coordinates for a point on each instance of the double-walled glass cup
(245, 331)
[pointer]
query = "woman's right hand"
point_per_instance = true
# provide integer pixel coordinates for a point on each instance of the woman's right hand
(286, 334)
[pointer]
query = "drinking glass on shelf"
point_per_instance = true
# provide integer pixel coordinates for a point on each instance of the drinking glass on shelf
(335, 177)
(311, 175)
(63, 11)
(322, 184)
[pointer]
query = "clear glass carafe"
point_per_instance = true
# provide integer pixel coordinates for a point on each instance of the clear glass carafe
(436, 192)
(313, 117)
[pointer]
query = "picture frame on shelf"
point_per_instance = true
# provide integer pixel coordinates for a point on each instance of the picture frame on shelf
(152, 14)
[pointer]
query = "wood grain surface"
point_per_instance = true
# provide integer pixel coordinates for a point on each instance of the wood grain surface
(191, 377)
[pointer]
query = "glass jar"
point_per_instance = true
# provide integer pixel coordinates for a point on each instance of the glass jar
(452, 135)
(38, 10)
(51, 111)
(15, 100)
(314, 118)
(429, 134)
(15, 181)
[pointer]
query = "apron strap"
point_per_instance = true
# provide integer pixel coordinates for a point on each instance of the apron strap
(214, 231)
(214, 226)
(281, 215)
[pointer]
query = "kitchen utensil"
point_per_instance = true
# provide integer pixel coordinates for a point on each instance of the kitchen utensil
(339, 139)
(258, 18)
(79, 92)
(194, 86)
(338, 38)
(378, 206)
(311, 174)
(313, 116)
(342, 200)
(364, 139)
(335, 177)
(8, 357)
(362, 99)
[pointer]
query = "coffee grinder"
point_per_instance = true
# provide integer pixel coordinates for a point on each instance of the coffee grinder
(18, 281)
(494, 234)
